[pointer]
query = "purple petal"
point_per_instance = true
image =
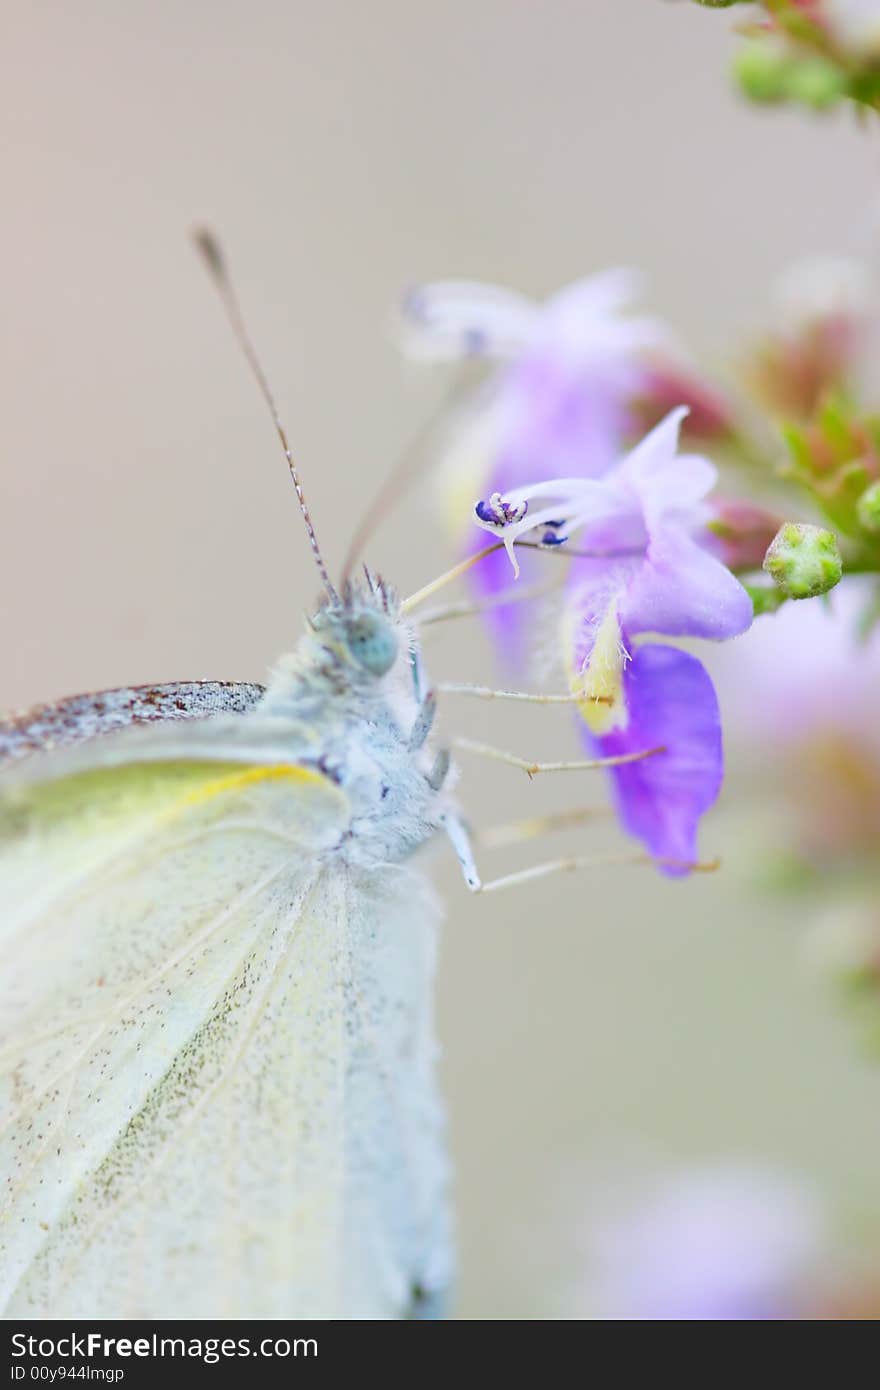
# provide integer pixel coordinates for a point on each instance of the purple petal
(656, 451)
(594, 296)
(669, 488)
(683, 591)
(672, 704)
(675, 494)
(561, 422)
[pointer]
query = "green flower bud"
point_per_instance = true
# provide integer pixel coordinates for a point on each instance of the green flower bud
(868, 509)
(804, 561)
(816, 82)
(762, 70)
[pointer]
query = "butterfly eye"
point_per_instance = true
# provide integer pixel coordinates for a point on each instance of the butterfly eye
(372, 643)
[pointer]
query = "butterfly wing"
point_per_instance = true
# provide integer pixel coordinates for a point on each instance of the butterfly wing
(216, 1092)
(89, 716)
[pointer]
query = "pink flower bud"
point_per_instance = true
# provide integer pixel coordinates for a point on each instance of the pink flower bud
(667, 385)
(740, 532)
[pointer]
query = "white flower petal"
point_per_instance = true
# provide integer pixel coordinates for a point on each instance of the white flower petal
(451, 319)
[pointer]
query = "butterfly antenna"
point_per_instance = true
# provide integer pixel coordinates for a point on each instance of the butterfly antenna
(212, 255)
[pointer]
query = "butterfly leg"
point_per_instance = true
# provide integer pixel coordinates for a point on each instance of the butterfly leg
(486, 750)
(485, 692)
(427, 703)
(593, 861)
(461, 843)
(457, 834)
(437, 776)
(423, 722)
(417, 668)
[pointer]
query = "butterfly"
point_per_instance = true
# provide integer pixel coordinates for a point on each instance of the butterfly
(217, 1061)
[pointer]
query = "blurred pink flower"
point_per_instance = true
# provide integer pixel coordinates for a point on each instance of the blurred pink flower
(739, 532)
(808, 669)
(801, 694)
(668, 384)
(725, 1244)
(820, 321)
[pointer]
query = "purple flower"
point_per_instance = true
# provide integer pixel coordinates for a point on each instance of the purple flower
(645, 570)
(647, 573)
(541, 447)
(560, 402)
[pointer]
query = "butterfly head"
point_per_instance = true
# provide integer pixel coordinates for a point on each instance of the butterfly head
(371, 641)
(362, 628)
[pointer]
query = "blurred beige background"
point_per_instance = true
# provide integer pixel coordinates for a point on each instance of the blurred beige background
(148, 530)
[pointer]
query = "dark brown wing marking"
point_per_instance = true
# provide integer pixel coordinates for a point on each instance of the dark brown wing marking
(82, 717)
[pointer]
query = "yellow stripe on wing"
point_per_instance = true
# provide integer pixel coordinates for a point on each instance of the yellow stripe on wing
(235, 781)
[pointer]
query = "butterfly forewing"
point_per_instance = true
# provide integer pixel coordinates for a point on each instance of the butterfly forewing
(90, 716)
(215, 1056)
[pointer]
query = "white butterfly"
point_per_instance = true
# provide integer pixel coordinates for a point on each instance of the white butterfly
(217, 1079)
(216, 1048)
(217, 1059)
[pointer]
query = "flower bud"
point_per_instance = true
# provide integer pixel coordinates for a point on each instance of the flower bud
(668, 384)
(762, 71)
(816, 82)
(767, 71)
(804, 561)
(868, 509)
